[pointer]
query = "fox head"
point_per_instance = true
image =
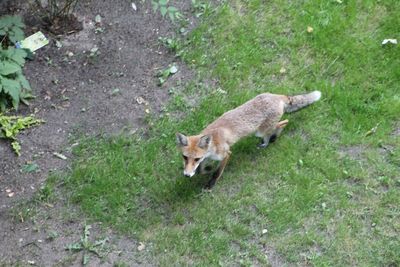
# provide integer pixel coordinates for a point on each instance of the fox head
(194, 151)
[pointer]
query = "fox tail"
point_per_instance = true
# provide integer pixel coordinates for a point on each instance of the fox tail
(294, 103)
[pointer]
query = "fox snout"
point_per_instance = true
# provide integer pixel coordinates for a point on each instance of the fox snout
(189, 167)
(188, 174)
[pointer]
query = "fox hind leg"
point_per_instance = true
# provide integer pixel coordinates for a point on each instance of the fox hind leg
(278, 130)
(271, 135)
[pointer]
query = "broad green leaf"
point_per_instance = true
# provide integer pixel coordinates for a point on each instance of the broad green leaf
(17, 21)
(13, 38)
(5, 21)
(12, 88)
(171, 16)
(163, 2)
(8, 21)
(16, 54)
(163, 10)
(24, 82)
(18, 33)
(8, 67)
(172, 9)
(30, 167)
(2, 32)
(155, 6)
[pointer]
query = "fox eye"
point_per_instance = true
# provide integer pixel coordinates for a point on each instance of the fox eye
(185, 158)
(197, 159)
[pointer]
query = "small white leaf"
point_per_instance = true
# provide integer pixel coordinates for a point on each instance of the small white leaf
(140, 100)
(97, 19)
(141, 246)
(391, 41)
(173, 69)
(58, 44)
(134, 6)
(58, 155)
(264, 231)
(115, 91)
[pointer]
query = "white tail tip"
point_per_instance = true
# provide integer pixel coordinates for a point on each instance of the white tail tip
(316, 95)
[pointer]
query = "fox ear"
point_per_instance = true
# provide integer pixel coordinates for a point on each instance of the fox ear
(181, 140)
(204, 141)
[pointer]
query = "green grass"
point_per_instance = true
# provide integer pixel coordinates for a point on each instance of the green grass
(327, 191)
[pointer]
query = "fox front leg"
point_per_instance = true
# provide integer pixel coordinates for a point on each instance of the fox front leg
(218, 173)
(204, 168)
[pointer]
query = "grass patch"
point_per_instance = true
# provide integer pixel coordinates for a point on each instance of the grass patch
(327, 191)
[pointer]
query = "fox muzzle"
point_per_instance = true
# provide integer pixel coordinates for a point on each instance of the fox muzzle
(189, 174)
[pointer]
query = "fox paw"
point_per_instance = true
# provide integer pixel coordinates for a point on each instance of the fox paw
(262, 145)
(210, 184)
(273, 138)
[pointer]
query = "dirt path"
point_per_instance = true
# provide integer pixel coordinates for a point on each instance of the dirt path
(78, 94)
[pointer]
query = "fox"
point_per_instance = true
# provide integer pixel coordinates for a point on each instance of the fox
(260, 115)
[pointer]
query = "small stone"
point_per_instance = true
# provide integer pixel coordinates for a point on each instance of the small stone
(141, 246)
(264, 231)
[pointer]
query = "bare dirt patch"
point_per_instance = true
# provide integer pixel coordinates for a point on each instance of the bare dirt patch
(81, 92)
(353, 152)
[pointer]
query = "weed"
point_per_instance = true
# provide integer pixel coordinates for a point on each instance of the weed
(11, 126)
(170, 43)
(88, 247)
(201, 8)
(165, 9)
(164, 74)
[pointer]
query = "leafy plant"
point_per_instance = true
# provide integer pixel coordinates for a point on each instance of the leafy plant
(87, 246)
(164, 74)
(11, 29)
(30, 167)
(172, 11)
(170, 43)
(11, 126)
(201, 8)
(14, 87)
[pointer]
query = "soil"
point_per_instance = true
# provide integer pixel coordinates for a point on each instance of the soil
(81, 92)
